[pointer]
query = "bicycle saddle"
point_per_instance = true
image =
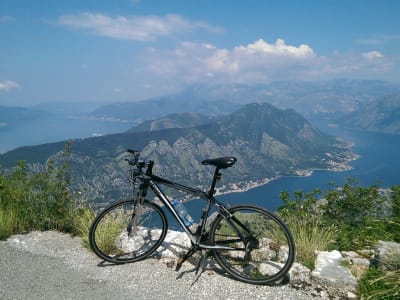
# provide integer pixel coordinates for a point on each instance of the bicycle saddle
(221, 162)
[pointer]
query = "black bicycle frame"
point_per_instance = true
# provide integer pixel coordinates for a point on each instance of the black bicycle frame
(153, 181)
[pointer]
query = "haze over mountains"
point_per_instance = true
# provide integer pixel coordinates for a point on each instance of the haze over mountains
(310, 99)
(267, 141)
(179, 131)
(380, 115)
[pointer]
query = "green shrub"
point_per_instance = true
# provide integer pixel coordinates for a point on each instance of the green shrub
(376, 284)
(347, 217)
(40, 201)
(83, 219)
(393, 226)
(359, 214)
(305, 220)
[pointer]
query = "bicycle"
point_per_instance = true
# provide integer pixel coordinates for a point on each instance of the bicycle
(250, 243)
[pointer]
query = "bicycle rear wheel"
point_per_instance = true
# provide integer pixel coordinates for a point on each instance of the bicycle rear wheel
(261, 246)
(122, 233)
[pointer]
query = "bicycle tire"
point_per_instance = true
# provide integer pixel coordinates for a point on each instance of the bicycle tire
(268, 252)
(109, 237)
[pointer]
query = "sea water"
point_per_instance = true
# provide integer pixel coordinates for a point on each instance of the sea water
(378, 163)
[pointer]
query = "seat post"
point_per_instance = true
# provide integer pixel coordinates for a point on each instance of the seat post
(214, 182)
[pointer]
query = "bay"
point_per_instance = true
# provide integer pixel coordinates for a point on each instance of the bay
(55, 128)
(378, 163)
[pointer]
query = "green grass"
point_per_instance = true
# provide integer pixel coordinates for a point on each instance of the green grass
(108, 231)
(310, 234)
(83, 219)
(40, 201)
(377, 285)
(6, 224)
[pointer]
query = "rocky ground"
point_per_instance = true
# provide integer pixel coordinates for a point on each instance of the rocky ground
(52, 265)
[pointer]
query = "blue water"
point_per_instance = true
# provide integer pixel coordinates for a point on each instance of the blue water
(54, 129)
(379, 163)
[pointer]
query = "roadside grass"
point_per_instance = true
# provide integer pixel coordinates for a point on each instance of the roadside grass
(42, 200)
(310, 234)
(82, 222)
(376, 284)
(6, 224)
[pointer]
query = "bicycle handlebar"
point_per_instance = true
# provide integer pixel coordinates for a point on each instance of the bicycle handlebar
(140, 164)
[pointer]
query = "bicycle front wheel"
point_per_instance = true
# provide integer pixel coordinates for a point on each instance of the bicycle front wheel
(123, 233)
(255, 245)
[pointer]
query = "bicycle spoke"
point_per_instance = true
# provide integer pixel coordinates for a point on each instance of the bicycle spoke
(263, 246)
(122, 233)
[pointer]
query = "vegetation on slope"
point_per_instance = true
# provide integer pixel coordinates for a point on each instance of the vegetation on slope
(380, 115)
(268, 142)
(40, 201)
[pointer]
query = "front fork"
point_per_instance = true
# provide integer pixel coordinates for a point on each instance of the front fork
(137, 208)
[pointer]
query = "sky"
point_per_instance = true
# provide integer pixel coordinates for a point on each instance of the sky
(127, 50)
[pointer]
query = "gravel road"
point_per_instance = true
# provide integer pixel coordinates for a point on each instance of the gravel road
(52, 265)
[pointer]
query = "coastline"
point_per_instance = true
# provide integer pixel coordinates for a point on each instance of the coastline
(244, 186)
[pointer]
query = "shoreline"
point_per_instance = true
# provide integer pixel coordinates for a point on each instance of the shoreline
(244, 186)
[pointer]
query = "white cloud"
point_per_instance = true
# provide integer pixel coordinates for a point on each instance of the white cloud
(138, 28)
(259, 62)
(8, 85)
(279, 49)
(372, 55)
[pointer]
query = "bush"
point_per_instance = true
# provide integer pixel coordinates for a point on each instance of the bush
(40, 201)
(360, 214)
(306, 222)
(393, 226)
(347, 217)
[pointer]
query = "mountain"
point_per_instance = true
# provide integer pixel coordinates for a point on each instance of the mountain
(162, 106)
(180, 120)
(267, 142)
(380, 115)
(67, 109)
(326, 98)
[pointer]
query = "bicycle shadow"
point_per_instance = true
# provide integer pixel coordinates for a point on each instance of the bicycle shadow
(208, 264)
(175, 246)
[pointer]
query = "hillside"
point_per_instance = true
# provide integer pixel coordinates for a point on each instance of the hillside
(162, 106)
(267, 142)
(380, 115)
(179, 120)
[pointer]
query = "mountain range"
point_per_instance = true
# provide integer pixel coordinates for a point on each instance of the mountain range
(179, 131)
(267, 141)
(318, 98)
(380, 115)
